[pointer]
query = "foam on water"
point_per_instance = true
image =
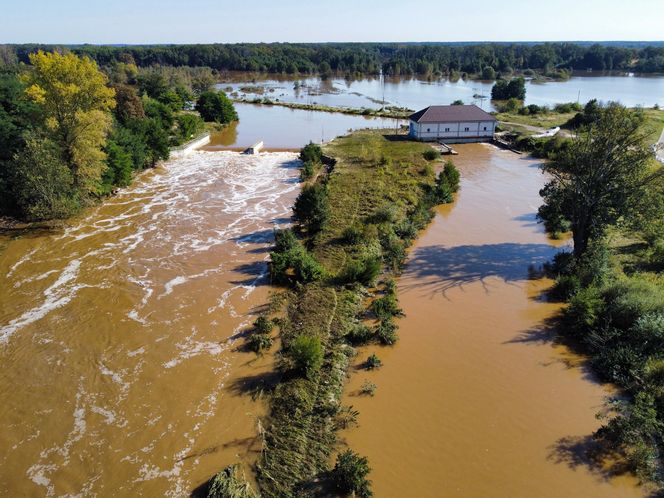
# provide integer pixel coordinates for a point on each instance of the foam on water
(155, 245)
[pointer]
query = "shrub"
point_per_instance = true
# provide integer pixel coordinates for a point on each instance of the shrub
(584, 309)
(353, 234)
(359, 334)
(387, 331)
(452, 174)
(368, 388)
(291, 262)
(363, 271)
(311, 153)
(285, 240)
(350, 474)
(259, 342)
(394, 251)
(628, 300)
(386, 306)
(431, 155)
(307, 171)
(373, 362)
(263, 325)
(312, 207)
(230, 483)
(306, 353)
(384, 214)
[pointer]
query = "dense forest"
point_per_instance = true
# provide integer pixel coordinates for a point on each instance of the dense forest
(72, 132)
(372, 58)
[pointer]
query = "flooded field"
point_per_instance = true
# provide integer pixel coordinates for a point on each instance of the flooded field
(416, 93)
(476, 400)
(119, 368)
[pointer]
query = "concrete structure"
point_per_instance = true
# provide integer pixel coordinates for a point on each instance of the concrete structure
(452, 124)
(189, 147)
(254, 149)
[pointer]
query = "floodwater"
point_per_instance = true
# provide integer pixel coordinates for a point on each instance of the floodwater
(120, 373)
(415, 93)
(476, 400)
(283, 128)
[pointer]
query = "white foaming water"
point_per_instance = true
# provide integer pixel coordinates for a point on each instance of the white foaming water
(167, 252)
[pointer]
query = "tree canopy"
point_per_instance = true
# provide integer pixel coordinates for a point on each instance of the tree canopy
(600, 177)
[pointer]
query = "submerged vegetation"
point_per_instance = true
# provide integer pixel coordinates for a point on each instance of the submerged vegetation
(355, 219)
(609, 192)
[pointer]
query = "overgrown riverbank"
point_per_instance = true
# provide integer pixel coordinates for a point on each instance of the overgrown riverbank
(356, 216)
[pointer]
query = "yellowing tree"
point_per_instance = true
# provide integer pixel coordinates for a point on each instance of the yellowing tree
(76, 102)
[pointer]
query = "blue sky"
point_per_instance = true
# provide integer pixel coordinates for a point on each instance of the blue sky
(205, 21)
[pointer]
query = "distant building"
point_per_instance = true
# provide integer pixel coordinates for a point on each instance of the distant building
(452, 124)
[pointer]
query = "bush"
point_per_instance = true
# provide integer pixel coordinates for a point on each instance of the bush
(230, 483)
(452, 174)
(359, 334)
(387, 332)
(384, 214)
(306, 353)
(363, 271)
(350, 474)
(312, 207)
(386, 306)
(307, 171)
(447, 183)
(189, 125)
(513, 89)
(290, 262)
(263, 325)
(431, 155)
(373, 362)
(285, 240)
(259, 342)
(311, 153)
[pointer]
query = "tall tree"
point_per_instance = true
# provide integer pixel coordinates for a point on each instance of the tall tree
(76, 102)
(600, 178)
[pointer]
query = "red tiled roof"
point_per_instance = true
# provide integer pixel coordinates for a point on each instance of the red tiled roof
(451, 114)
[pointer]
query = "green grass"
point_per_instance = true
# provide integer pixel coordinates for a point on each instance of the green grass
(549, 120)
(654, 124)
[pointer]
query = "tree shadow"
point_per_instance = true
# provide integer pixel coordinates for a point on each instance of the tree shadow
(455, 267)
(257, 272)
(529, 220)
(255, 385)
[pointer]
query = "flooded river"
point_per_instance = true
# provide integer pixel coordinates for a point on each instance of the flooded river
(119, 372)
(475, 400)
(414, 93)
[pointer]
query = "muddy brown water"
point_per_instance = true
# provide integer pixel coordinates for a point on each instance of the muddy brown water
(120, 373)
(476, 400)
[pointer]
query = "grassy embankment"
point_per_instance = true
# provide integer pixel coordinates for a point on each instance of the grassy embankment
(386, 112)
(377, 195)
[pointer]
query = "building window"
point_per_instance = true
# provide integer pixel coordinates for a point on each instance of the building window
(428, 130)
(485, 128)
(467, 129)
(447, 129)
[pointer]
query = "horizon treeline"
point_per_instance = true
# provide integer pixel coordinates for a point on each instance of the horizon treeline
(371, 58)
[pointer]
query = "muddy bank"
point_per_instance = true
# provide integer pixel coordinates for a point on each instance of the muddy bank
(119, 366)
(476, 399)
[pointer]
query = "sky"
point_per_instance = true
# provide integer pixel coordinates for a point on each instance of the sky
(225, 21)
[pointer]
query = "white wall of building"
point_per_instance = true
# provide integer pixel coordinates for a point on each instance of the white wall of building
(436, 131)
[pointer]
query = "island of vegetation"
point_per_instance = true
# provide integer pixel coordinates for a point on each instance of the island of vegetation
(361, 206)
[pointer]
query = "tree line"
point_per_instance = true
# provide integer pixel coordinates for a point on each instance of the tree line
(373, 58)
(71, 133)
